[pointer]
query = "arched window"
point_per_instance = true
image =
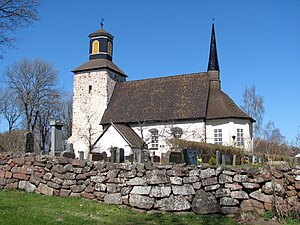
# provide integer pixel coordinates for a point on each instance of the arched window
(109, 48)
(95, 47)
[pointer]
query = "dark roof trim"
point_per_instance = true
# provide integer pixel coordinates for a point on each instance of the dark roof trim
(95, 64)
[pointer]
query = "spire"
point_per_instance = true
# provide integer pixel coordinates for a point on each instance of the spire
(213, 56)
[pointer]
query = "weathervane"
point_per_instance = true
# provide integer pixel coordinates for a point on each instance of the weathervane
(102, 24)
(213, 20)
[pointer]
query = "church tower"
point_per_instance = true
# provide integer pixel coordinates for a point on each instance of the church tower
(94, 82)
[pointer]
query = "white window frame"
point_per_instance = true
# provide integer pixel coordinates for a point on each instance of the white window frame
(240, 140)
(154, 139)
(218, 139)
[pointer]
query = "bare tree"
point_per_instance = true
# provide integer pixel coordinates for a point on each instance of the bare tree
(66, 115)
(34, 82)
(15, 14)
(253, 105)
(10, 108)
(274, 141)
(50, 110)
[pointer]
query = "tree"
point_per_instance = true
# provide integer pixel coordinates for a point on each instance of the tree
(15, 14)
(253, 105)
(48, 111)
(66, 114)
(34, 82)
(274, 141)
(10, 108)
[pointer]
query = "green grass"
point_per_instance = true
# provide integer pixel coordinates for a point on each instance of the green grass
(18, 207)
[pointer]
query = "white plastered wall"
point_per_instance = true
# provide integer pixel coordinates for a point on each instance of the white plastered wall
(112, 138)
(229, 128)
(192, 131)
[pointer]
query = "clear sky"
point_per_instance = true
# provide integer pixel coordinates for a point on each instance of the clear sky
(258, 43)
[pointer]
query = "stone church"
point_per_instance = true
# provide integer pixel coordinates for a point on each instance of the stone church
(110, 112)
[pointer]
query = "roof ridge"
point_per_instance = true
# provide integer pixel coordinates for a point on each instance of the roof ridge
(167, 77)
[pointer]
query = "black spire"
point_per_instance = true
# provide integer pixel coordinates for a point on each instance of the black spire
(213, 56)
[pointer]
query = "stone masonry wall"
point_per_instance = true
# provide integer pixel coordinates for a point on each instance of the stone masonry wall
(159, 187)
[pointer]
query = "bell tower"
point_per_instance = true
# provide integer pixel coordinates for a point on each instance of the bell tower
(101, 45)
(94, 83)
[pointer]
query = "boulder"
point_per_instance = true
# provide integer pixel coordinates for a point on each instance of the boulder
(173, 203)
(27, 186)
(240, 178)
(248, 185)
(160, 192)
(239, 195)
(193, 179)
(207, 173)
(222, 192)
(176, 180)
(44, 189)
(223, 178)
(228, 201)
(209, 181)
(183, 190)
(157, 177)
(205, 203)
(141, 190)
(139, 201)
(113, 199)
(212, 187)
(258, 195)
(137, 181)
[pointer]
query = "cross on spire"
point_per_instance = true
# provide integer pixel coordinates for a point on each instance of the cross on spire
(102, 24)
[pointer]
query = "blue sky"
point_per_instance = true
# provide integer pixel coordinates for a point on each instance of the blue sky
(257, 40)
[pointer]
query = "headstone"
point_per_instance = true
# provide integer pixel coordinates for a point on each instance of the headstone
(29, 142)
(190, 156)
(56, 137)
(145, 156)
(234, 160)
(227, 159)
(70, 148)
(104, 156)
(97, 156)
(218, 157)
(175, 157)
(117, 155)
(68, 155)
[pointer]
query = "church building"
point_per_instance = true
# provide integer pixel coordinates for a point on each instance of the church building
(110, 112)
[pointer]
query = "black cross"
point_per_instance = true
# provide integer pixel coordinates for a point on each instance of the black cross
(102, 24)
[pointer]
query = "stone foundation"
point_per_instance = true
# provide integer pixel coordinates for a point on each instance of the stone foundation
(156, 187)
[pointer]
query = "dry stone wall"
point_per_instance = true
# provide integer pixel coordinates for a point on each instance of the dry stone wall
(159, 187)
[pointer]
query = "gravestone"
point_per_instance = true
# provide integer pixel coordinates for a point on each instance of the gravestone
(104, 156)
(97, 156)
(218, 158)
(70, 148)
(56, 137)
(69, 155)
(190, 156)
(117, 155)
(175, 157)
(29, 142)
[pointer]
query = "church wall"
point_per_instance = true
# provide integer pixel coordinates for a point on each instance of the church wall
(112, 138)
(229, 128)
(91, 94)
(191, 130)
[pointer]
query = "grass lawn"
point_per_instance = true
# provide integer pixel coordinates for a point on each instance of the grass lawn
(18, 207)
